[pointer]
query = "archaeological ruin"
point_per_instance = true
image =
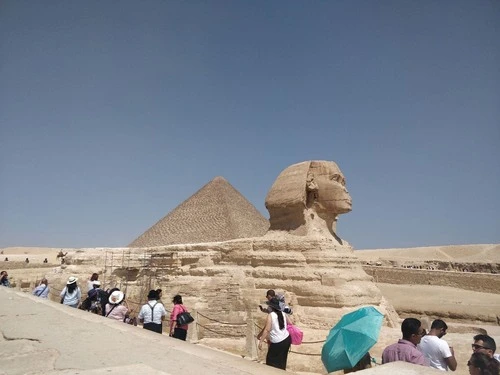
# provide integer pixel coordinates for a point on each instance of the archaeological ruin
(221, 255)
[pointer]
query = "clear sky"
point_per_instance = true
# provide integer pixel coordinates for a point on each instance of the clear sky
(114, 112)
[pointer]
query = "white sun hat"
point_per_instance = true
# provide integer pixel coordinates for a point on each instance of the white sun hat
(116, 297)
(71, 280)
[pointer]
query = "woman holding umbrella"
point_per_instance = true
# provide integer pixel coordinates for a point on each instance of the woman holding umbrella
(277, 336)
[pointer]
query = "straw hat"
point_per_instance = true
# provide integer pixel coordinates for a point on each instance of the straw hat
(116, 297)
(72, 280)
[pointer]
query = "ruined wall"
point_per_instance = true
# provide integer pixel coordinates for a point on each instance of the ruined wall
(462, 266)
(479, 282)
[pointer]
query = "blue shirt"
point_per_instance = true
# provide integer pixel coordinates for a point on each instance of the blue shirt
(41, 291)
(71, 299)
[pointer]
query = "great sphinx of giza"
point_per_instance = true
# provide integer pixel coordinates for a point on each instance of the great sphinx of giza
(306, 199)
(301, 254)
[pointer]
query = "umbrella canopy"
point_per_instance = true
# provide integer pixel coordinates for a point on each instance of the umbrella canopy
(351, 338)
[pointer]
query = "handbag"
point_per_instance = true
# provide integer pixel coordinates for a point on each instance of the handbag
(296, 334)
(43, 290)
(184, 318)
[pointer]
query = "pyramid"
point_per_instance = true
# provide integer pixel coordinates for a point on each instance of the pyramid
(216, 212)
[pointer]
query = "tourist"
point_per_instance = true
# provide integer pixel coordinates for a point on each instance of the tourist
(177, 331)
(482, 364)
(160, 293)
(4, 279)
(152, 313)
(90, 282)
(270, 294)
(114, 308)
(71, 294)
(363, 364)
(485, 344)
(406, 348)
(97, 299)
(110, 291)
(440, 355)
(277, 336)
(27, 260)
(42, 290)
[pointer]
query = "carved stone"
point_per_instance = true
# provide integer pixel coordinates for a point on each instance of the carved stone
(306, 199)
(301, 255)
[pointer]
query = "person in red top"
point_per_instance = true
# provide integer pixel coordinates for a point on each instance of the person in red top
(177, 331)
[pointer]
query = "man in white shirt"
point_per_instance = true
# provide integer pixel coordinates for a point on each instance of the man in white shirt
(152, 313)
(440, 355)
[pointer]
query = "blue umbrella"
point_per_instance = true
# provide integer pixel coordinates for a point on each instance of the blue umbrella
(351, 338)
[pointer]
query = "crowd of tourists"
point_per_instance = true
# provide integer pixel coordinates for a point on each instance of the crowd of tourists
(430, 349)
(416, 345)
(112, 304)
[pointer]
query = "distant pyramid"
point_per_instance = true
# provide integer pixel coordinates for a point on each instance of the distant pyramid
(216, 212)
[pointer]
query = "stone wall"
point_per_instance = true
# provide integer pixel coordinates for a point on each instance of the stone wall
(226, 280)
(479, 282)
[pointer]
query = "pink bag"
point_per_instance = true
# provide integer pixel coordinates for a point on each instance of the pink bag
(295, 333)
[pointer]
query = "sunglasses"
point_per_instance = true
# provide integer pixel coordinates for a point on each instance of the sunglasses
(479, 347)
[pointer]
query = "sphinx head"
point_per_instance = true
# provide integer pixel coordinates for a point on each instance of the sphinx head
(308, 195)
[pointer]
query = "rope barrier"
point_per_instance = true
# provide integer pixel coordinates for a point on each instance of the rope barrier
(303, 342)
(217, 321)
(311, 354)
(222, 334)
(312, 342)
(57, 292)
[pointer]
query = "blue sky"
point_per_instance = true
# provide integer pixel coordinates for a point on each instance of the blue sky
(112, 113)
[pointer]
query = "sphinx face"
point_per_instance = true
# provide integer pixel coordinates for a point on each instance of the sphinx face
(332, 196)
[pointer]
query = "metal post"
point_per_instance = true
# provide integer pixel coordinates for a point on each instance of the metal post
(104, 273)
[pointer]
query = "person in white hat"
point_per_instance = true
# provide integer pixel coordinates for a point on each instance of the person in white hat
(117, 307)
(71, 294)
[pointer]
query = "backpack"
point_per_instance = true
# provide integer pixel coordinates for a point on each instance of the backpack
(98, 299)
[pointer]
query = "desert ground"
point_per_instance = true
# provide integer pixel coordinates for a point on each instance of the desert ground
(487, 253)
(467, 312)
